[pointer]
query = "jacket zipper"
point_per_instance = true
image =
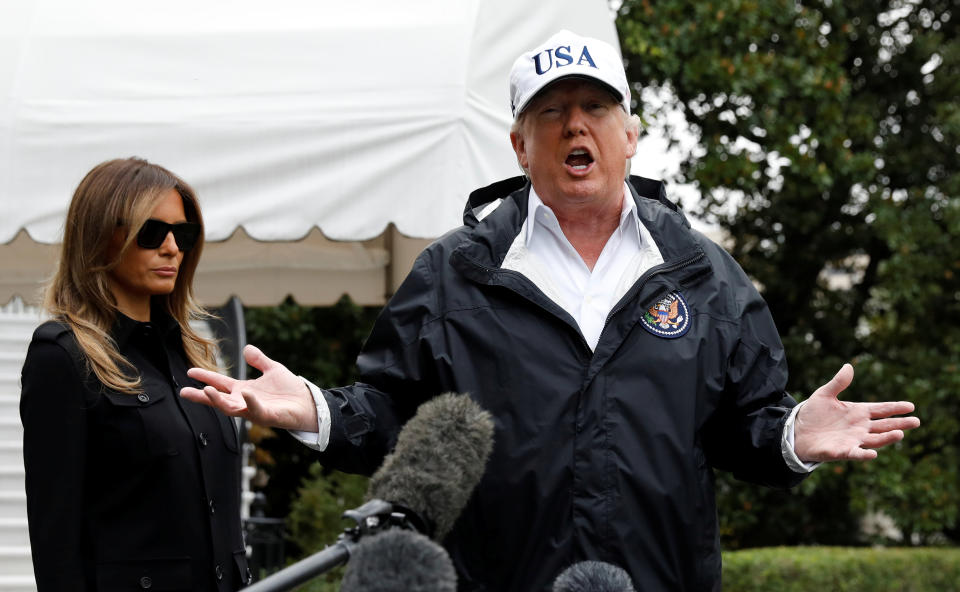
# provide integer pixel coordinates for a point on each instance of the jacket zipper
(659, 270)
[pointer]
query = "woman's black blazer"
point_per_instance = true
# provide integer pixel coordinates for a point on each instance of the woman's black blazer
(127, 491)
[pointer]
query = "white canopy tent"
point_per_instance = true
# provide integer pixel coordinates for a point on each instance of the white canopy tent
(328, 141)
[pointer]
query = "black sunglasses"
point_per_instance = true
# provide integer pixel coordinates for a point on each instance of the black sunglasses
(154, 232)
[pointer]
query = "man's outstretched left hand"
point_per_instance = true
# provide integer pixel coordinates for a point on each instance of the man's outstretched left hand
(830, 429)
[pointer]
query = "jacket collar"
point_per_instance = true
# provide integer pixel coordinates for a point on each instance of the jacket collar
(481, 198)
(125, 328)
(495, 225)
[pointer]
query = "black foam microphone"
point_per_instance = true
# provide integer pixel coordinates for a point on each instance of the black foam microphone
(439, 459)
(398, 560)
(424, 484)
(593, 576)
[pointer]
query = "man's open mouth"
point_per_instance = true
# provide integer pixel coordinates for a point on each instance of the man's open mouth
(579, 160)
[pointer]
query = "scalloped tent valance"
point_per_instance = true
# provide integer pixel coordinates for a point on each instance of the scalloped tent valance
(328, 142)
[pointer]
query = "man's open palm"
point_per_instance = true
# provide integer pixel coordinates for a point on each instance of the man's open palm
(830, 429)
(278, 398)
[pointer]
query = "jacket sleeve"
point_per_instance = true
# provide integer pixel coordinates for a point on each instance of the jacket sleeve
(744, 434)
(397, 371)
(52, 410)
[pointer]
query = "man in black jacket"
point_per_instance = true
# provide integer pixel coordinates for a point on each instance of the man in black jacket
(622, 355)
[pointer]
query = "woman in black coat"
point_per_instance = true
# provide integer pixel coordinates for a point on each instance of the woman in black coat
(128, 485)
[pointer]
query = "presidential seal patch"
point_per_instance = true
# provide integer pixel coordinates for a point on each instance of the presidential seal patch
(669, 317)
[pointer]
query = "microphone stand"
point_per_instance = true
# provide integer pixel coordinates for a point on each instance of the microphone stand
(372, 517)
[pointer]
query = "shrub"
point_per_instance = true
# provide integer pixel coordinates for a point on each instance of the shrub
(842, 569)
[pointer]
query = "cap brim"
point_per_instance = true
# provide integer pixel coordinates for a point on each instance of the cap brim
(616, 94)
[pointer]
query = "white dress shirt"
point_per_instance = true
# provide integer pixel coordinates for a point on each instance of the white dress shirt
(542, 253)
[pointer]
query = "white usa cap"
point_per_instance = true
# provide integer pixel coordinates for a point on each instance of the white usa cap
(566, 55)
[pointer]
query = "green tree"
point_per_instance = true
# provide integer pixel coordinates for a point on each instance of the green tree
(828, 150)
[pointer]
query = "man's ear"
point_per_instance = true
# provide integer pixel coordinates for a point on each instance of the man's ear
(633, 135)
(519, 147)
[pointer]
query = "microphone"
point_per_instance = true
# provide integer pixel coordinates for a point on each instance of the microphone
(593, 576)
(439, 459)
(398, 560)
(423, 485)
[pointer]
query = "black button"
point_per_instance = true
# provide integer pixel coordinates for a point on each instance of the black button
(249, 576)
(143, 397)
(203, 438)
(212, 509)
(219, 572)
(145, 582)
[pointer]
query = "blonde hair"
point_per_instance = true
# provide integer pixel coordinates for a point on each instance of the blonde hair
(120, 194)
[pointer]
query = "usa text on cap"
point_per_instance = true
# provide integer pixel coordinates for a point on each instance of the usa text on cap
(565, 55)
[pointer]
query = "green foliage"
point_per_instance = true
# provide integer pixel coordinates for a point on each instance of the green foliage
(315, 516)
(829, 151)
(320, 344)
(753, 516)
(841, 569)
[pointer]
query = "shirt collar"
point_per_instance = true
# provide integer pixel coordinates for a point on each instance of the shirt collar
(629, 220)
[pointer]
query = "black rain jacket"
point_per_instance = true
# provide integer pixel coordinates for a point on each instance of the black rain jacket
(605, 454)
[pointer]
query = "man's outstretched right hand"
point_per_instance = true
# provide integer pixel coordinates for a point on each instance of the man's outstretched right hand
(278, 398)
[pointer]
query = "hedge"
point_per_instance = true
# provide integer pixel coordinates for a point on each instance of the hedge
(842, 569)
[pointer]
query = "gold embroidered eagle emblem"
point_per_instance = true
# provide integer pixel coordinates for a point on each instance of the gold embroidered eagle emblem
(668, 317)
